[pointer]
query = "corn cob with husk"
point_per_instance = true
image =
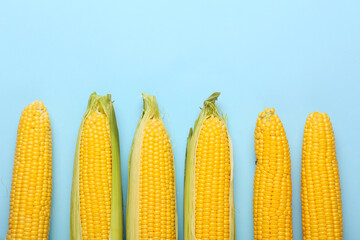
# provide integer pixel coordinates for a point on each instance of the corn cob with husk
(30, 197)
(96, 196)
(272, 182)
(320, 181)
(151, 200)
(209, 211)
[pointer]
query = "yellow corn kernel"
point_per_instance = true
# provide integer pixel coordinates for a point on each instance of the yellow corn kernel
(320, 181)
(30, 197)
(272, 183)
(95, 177)
(157, 184)
(212, 181)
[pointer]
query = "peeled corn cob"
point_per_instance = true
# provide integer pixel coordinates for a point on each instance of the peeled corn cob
(96, 196)
(272, 183)
(151, 203)
(30, 198)
(320, 181)
(209, 211)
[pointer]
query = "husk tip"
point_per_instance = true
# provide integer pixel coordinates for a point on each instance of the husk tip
(150, 105)
(190, 133)
(212, 98)
(209, 104)
(99, 102)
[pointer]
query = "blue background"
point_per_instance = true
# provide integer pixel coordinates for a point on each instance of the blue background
(297, 57)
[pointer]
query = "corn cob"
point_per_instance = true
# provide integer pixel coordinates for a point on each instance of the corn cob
(96, 196)
(320, 181)
(30, 198)
(209, 211)
(151, 203)
(272, 183)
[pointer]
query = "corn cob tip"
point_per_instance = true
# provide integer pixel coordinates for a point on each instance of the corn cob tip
(37, 105)
(150, 106)
(317, 114)
(267, 113)
(266, 118)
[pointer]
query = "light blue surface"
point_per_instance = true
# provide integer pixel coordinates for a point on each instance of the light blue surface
(297, 57)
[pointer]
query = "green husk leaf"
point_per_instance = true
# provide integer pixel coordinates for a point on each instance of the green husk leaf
(105, 105)
(150, 111)
(209, 109)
